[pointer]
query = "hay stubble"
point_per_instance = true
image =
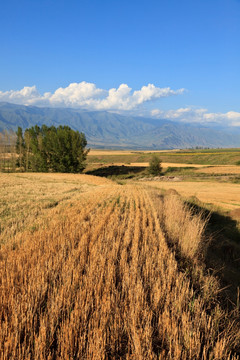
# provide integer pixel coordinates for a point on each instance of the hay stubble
(101, 282)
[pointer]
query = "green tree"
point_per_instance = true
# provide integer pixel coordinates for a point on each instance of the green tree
(54, 149)
(20, 149)
(7, 151)
(2, 152)
(155, 167)
(12, 143)
(27, 141)
(37, 158)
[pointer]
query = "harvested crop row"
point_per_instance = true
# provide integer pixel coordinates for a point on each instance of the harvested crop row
(27, 199)
(101, 283)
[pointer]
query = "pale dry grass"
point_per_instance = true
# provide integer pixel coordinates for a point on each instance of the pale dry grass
(165, 165)
(172, 152)
(101, 282)
(96, 152)
(125, 152)
(223, 169)
(26, 199)
(224, 195)
(7, 155)
(183, 226)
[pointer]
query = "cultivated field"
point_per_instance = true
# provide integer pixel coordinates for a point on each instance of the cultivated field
(211, 175)
(224, 169)
(26, 199)
(189, 157)
(94, 152)
(90, 269)
(223, 195)
(166, 165)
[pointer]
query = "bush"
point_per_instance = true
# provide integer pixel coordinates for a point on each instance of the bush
(155, 167)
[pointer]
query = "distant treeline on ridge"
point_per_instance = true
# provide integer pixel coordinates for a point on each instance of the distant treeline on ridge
(43, 149)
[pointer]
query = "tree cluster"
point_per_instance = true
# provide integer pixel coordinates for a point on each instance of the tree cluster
(7, 151)
(44, 149)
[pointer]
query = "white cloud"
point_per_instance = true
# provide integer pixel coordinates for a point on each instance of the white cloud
(191, 115)
(122, 99)
(20, 96)
(151, 92)
(88, 96)
(76, 94)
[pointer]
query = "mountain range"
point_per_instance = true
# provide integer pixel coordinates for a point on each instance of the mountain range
(108, 130)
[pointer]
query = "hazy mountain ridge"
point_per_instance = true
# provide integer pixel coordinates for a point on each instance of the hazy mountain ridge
(104, 129)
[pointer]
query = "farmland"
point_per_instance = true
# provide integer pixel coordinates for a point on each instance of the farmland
(211, 175)
(198, 156)
(222, 195)
(91, 269)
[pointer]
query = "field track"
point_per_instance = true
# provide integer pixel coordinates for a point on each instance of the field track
(101, 282)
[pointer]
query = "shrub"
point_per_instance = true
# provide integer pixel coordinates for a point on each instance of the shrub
(155, 167)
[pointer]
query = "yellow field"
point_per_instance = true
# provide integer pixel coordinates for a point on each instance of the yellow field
(88, 270)
(223, 169)
(224, 195)
(26, 199)
(124, 152)
(182, 153)
(217, 169)
(128, 152)
(166, 165)
(163, 164)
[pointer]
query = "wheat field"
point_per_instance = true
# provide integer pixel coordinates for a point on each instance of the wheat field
(224, 169)
(91, 270)
(95, 152)
(222, 195)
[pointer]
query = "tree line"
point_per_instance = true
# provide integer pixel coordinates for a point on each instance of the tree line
(43, 149)
(7, 151)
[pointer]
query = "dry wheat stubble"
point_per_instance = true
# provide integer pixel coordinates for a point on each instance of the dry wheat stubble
(101, 282)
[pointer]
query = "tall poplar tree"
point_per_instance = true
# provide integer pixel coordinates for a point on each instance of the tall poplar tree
(54, 149)
(20, 148)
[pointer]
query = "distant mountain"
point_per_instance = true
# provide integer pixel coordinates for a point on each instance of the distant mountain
(108, 130)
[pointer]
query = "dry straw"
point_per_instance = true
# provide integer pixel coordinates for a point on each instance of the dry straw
(100, 282)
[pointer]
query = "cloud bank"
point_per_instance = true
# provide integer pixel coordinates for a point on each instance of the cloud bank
(88, 96)
(122, 100)
(191, 115)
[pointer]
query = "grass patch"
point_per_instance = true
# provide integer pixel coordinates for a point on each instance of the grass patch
(185, 170)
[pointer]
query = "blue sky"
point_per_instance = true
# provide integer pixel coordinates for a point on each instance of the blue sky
(172, 44)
